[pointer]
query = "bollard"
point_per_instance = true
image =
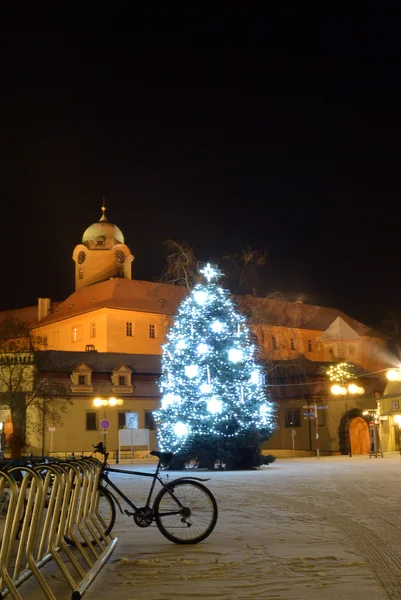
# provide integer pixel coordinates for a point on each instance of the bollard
(117, 456)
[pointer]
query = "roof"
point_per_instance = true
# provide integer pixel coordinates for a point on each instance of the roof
(100, 362)
(27, 315)
(267, 311)
(127, 294)
(340, 330)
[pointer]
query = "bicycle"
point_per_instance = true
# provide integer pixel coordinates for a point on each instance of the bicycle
(184, 510)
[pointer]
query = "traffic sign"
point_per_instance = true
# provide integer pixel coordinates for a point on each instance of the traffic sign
(52, 429)
(105, 424)
(371, 424)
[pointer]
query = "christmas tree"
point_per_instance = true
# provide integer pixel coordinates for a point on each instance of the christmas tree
(214, 406)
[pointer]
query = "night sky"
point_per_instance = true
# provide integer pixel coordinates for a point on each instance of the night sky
(274, 131)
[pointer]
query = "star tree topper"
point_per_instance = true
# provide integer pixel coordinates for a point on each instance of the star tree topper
(210, 273)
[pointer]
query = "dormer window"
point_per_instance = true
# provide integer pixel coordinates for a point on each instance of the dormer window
(81, 378)
(121, 382)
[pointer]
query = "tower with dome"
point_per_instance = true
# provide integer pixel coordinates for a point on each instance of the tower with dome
(102, 254)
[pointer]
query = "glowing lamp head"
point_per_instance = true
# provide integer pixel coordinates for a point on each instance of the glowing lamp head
(397, 419)
(98, 402)
(338, 390)
(112, 401)
(353, 389)
(394, 375)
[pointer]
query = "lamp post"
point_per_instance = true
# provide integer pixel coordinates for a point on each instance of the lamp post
(105, 402)
(344, 390)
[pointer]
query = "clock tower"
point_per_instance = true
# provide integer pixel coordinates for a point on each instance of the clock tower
(102, 254)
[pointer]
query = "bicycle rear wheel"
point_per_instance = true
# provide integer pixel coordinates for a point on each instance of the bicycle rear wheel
(185, 512)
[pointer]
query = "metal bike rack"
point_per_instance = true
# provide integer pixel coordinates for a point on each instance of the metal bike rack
(52, 502)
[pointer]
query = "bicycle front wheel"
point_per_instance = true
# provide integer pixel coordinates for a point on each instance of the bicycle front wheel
(185, 512)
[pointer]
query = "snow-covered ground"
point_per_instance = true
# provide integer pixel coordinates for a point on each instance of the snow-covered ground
(297, 529)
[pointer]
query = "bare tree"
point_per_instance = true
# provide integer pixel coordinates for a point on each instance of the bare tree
(22, 386)
(181, 265)
(243, 269)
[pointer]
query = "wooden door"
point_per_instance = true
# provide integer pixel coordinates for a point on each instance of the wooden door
(359, 436)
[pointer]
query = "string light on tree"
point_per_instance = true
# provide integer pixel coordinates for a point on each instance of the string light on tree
(210, 363)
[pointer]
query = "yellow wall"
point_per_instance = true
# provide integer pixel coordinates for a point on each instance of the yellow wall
(110, 332)
(73, 436)
(367, 352)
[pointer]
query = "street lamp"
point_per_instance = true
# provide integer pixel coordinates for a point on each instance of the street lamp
(344, 390)
(105, 402)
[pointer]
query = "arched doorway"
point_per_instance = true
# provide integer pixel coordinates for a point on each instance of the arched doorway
(359, 436)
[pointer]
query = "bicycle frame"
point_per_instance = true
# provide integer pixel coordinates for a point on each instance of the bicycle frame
(104, 477)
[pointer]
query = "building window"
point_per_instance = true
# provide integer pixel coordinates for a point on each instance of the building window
(128, 329)
(76, 333)
(292, 417)
(292, 344)
(274, 342)
(121, 420)
(121, 380)
(149, 420)
(151, 331)
(81, 380)
(81, 273)
(92, 332)
(91, 421)
(309, 345)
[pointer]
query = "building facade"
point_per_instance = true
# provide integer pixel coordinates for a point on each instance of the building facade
(106, 341)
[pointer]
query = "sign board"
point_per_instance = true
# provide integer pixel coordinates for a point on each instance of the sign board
(371, 424)
(52, 429)
(104, 423)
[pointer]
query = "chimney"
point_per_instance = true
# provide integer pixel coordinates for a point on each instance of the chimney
(44, 308)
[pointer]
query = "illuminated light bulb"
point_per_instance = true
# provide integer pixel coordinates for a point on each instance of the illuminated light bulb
(98, 402)
(180, 429)
(170, 399)
(394, 375)
(201, 297)
(214, 405)
(361, 390)
(336, 390)
(217, 326)
(120, 402)
(264, 409)
(353, 389)
(181, 345)
(235, 355)
(255, 377)
(205, 388)
(112, 401)
(203, 348)
(191, 371)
